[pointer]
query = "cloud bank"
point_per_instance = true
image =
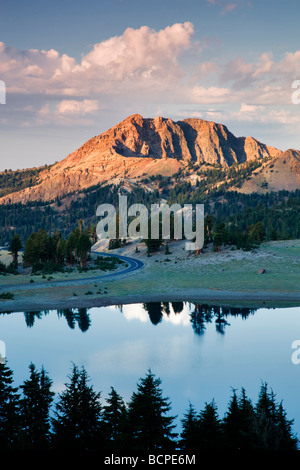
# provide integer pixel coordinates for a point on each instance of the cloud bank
(155, 68)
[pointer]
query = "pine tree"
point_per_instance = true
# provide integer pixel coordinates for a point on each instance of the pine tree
(92, 233)
(71, 245)
(190, 431)
(9, 410)
(149, 428)
(288, 440)
(77, 415)
(31, 253)
(35, 410)
(265, 417)
(266, 402)
(238, 423)
(219, 236)
(153, 244)
(257, 232)
(114, 421)
(232, 424)
(273, 428)
(208, 226)
(210, 429)
(248, 436)
(14, 248)
(83, 246)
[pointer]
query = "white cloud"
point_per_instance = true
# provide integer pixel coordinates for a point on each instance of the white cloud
(289, 66)
(67, 112)
(141, 70)
(200, 94)
(141, 52)
(255, 114)
(137, 57)
(264, 81)
(74, 107)
(263, 115)
(145, 63)
(264, 66)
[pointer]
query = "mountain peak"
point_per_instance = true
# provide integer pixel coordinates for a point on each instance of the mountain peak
(140, 146)
(135, 118)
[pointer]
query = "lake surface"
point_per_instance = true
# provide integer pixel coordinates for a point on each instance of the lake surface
(199, 352)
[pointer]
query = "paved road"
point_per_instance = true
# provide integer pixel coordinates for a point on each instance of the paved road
(133, 265)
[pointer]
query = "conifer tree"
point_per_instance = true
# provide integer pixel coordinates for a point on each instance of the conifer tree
(9, 410)
(272, 426)
(83, 246)
(114, 421)
(14, 248)
(76, 423)
(288, 440)
(35, 410)
(248, 436)
(232, 424)
(266, 402)
(149, 426)
(210, 429)
(238, 423)
(190, 431)
(208, 226)
(71, 246)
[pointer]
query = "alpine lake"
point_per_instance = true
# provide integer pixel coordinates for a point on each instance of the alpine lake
(200, 352)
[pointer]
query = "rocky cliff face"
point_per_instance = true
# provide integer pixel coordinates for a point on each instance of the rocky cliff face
(143, 147)
(191, 139)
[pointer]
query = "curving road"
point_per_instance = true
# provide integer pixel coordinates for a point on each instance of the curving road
(133, 263)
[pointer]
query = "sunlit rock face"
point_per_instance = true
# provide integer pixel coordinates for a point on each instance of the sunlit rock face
(139, 147)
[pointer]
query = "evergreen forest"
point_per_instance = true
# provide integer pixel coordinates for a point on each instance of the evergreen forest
(78, 418)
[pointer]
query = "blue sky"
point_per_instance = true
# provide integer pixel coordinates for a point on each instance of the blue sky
(73, 69)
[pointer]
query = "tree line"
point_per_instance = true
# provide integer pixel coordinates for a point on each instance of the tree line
(277, 211)
(241, 220)
(31, 418)
(12, 181)
(45, 252)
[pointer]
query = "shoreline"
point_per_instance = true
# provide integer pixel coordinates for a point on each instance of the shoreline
(263, 299)
(267, 276)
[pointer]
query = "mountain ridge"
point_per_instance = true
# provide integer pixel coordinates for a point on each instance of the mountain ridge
(140, 147)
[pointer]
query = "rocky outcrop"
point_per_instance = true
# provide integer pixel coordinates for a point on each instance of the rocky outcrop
(141, 147)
